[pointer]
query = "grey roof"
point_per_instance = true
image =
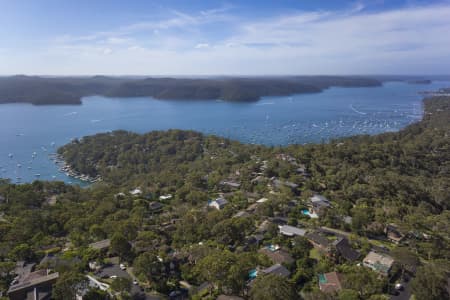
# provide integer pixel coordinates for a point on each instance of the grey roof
(230, 183)
(291, 230)
(318, 197)
(155, 205)
(318, 239)
(221, 201)
(101, 244)
(279, 183)
(343, 247)
(277, 269)
(33, 279)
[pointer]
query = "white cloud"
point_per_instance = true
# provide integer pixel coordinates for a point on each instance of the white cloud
(352, 41)
(107, 51)
(201, 46)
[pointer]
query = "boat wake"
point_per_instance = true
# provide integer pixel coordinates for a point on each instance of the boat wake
(357, 111)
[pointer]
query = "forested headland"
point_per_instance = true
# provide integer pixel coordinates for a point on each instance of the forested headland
(70, 90)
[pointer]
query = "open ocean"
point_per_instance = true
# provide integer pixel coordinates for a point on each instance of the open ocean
(30, 134)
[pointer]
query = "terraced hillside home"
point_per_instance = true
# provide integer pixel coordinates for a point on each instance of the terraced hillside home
(380, 263)
(318, 204)
(33, 286)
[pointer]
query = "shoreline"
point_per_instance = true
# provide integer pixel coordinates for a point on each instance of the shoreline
(64, 167)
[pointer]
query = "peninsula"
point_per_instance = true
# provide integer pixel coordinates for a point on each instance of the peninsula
(70, 90)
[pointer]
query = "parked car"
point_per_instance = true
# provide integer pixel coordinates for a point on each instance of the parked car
(123, 267)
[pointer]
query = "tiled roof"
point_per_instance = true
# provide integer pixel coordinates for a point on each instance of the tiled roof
(330, 282)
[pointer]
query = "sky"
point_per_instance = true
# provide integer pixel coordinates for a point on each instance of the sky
(247, 37)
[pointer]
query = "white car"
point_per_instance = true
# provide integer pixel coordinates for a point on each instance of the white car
(135, 282)
(122, 267)
(113, 276)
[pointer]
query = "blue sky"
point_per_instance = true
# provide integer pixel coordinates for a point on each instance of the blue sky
(62, 37)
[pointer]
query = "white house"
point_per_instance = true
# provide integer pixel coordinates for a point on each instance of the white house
(219, 203)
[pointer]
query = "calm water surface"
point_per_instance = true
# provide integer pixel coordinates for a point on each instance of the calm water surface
(28, 134)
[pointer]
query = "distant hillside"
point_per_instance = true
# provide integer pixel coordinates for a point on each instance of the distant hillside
(70, 90)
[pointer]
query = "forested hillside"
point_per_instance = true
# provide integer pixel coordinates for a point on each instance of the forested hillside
(70, 90)
(154, 206)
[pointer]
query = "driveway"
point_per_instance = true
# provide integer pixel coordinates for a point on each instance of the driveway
(110, 270)
(405, 294)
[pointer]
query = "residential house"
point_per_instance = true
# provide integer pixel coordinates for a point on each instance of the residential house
(262, 200)
(279, 220)
(258, 179)
(318, 204)
(219, 203)
(319, 241)
(252, 208)
(101, 245)
(155, 206)
(34, 286)
(254, 239)
(277, 269)
(345, 250)
(230, 184)
(379, 262)
(263, 227)
(288, 230)
(330, 283)
(277, 255)
(393, 234)
(277, 184)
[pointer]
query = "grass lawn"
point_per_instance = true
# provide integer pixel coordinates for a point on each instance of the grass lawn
(382, 243)
(314, 254)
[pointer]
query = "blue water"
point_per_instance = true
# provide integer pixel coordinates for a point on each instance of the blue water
(300, 119)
